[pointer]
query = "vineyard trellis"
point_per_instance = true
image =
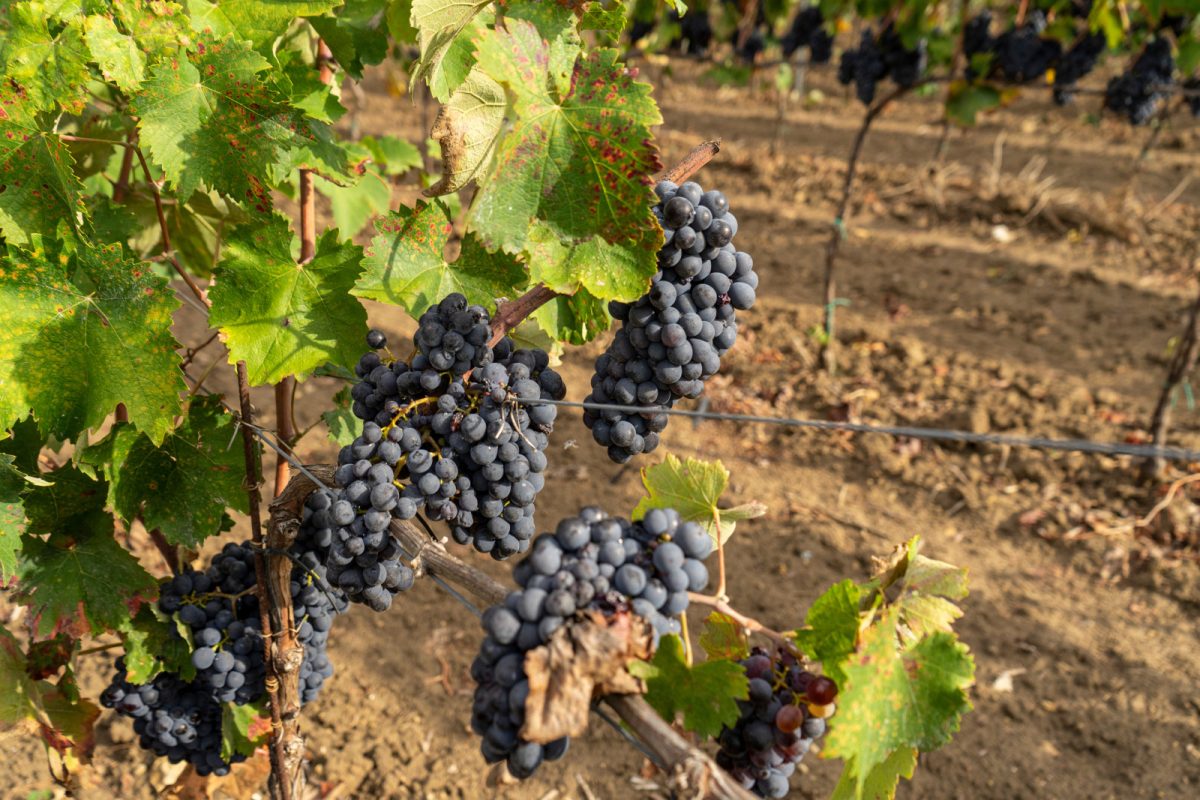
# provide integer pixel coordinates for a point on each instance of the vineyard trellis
(210, 114)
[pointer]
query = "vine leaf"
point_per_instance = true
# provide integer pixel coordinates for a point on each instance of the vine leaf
(51, 66)
(284, 318)
(706, 694)
(357, 34)
(607, 271)
(60, 718)
(466, 130)
(259, 21)
(152, 645)
(243, 728)
(898, 697)
(38, 185)
(578, 153)
(78, 578)
(340, 420)
(183, 486)
(208, 118)
(13, 482)
(105, 323)
(439, 25)
(693, 488)
(576, 319)
(880, 783)
(723, 637)
(406, 266)
(116, 53)
(831, 628)
(902, 672)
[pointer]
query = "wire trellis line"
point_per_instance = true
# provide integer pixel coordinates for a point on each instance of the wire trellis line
(937, 434)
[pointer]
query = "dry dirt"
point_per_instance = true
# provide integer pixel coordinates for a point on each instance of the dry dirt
(1059, 324)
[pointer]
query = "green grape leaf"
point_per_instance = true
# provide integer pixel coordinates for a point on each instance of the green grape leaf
(38, 185)
(399, 21)
(354, 206)
(466, 130)
(694, 488)
(579, 159)
(880, 783)
(79, 578)
(156, 26)
(406, 266)
(706, 694)
(609, 21)
(966, 100)
(116, 53)
(439, 25)
(831, 628)
(209, 118)
(722, 637)
(13, 483)
(260, 22)
(340, 420)
(107, 325)
(52, 67)
(356, 34)
(153, 645)
(576, 319)
(183, 486)
(394, 156)
(607, 271)
(304, 89)
(282, 318)
(896, 697)
(243, 728)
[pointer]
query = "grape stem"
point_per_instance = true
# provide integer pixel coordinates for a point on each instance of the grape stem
(689, 769)
(722, 606)
(511, 313)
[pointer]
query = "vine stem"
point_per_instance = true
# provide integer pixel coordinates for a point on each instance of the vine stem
(512, 313)
(828, 356)
(200, 294)
(1183, 360)
(691, 771)
(722, 606)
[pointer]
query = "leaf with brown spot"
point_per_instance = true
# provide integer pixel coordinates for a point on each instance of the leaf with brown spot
(583, 659)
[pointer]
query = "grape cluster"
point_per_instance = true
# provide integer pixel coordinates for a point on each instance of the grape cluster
(591, 561)
(695, 32)
(173, 718)
(977, 40)
(1079, 60)
(672, 339)
(784, 714)
(880, 57)
(457, 433)
(1022, 55)
(1138, 93)
(808, 30)
(220, 607)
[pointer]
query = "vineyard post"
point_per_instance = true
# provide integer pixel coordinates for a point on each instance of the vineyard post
(1183, 360)
(829, 296)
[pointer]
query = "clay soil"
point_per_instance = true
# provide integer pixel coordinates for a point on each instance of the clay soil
(1029, 283)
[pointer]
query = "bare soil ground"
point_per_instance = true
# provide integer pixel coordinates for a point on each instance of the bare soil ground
(1029, 283)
